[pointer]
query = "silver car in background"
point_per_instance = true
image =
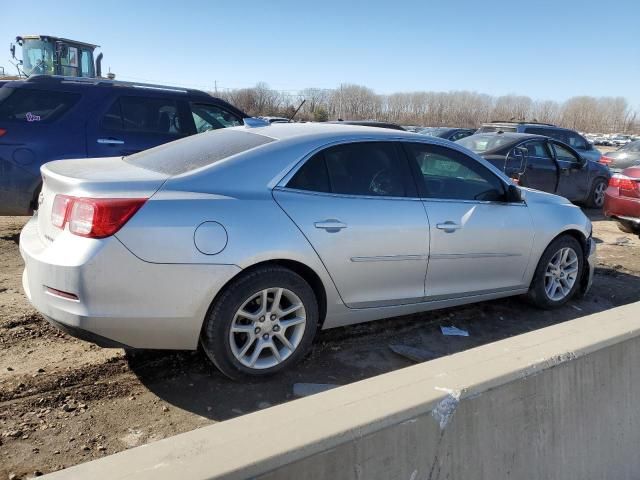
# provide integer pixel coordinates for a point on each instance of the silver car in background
(248, 240)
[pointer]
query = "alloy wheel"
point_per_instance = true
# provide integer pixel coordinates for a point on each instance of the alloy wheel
(561, 274)
(598, 194)
(267, 328)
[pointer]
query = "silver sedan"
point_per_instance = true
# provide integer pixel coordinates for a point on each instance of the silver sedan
(248, 240)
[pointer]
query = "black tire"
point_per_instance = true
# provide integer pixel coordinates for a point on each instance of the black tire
(537, 293)
(216, 330)
(596, 199)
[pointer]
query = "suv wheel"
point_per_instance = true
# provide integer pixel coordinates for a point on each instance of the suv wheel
(262, 323)
(558, 274)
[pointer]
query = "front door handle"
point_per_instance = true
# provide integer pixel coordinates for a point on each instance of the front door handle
(330, 225)
(448, 227)
(110, 141)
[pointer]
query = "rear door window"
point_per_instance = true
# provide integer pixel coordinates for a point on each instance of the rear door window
(365, 169)
(145, 114)
(211, 117)
(34, 106)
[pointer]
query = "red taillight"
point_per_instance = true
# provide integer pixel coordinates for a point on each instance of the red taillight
(95, 217)
(622, 182)
(3, 131)
(605, 160)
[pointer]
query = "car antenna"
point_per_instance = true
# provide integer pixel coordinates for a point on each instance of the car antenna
(297, 110)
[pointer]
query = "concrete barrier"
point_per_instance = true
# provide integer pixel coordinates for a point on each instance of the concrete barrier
(556, 403)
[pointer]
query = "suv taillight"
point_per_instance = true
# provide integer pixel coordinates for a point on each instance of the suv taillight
(93, 217)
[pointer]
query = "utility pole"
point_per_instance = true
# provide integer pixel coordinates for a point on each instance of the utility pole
(215, 86)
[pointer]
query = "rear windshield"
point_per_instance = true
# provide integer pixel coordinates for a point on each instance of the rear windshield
(484, 143)
(197, 151)
(34, 106)
(496, 128)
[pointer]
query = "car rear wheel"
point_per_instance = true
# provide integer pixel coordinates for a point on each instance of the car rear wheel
(596, 198)
(557, 276)
(262, 323)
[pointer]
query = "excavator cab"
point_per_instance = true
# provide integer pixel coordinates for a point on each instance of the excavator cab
(47, 55)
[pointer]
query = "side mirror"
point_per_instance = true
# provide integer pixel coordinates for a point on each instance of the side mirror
(12, 49)
(514, 195)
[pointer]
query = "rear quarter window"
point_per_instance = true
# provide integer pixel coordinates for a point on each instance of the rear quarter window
(34, 106)
(197, 151)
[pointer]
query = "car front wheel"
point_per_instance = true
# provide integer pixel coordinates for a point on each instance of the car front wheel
(557, 276)
(262, 323)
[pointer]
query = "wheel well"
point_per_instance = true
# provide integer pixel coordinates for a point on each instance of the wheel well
(578, 235)
(310, 276)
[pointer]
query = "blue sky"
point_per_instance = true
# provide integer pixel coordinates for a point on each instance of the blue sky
(546, 49)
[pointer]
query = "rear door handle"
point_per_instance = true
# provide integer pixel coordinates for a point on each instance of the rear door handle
(110, 141)
(448, 227)
(330, 225)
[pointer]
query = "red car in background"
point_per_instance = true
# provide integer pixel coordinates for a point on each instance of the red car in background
(622, 199)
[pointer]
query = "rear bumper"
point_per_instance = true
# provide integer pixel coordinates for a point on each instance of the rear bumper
(122, 300)
(625, 210)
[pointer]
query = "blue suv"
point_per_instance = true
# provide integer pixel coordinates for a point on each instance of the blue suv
(48, 118)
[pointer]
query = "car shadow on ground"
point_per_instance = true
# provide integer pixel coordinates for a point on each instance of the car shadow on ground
(345, 355)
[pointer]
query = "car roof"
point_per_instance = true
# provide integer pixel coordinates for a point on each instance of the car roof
(512, 122)
(516, 137)
(370, 123)
(320, 130)
(78, 83)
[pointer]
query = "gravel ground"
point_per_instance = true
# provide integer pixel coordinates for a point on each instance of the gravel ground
(65, 401)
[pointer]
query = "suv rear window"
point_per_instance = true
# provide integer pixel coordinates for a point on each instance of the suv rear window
(196, 151)
(34, 106)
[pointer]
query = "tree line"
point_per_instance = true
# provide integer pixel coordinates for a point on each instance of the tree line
(456, 108)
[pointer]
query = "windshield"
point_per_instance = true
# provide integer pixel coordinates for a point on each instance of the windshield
(484, 143)
(37, 57)
(632, 147)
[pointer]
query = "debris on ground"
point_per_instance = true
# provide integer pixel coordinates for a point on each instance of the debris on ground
(306, 389)
(454, 331)
(414, 354)
(622, 241)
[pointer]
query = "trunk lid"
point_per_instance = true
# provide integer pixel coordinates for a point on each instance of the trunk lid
(94, 178)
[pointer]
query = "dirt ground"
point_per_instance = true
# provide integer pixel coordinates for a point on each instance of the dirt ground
(65, 401)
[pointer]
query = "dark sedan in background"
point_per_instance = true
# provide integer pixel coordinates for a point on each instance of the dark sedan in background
(626, 156)
(544, 164)
(447, 133)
